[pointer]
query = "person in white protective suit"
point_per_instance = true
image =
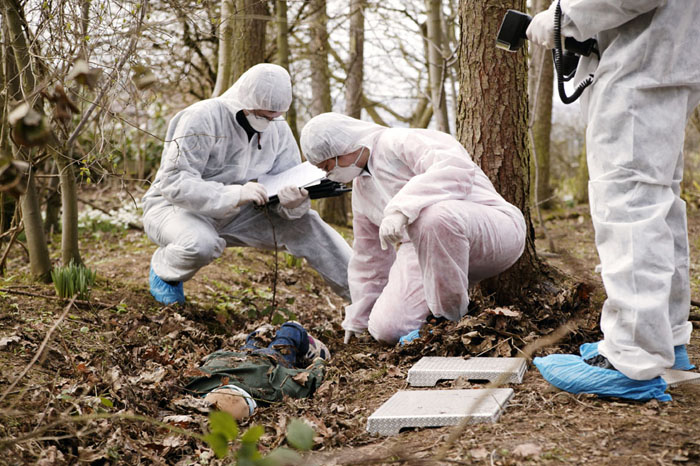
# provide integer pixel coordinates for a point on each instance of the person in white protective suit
(204, 195)
(646, 84)
(426, 222)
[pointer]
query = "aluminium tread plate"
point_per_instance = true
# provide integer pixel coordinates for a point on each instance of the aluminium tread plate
(437, 408)
(429, 370)
(674, 377)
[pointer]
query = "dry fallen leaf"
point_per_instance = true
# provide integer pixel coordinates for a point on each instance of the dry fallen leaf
(527, 449)
(183, 421)
(85, 75)
(143, 77)
(7, 340)
(479, 453)
(301, 378)
(503, 311)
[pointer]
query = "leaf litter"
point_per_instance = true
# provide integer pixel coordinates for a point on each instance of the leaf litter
(135, 363)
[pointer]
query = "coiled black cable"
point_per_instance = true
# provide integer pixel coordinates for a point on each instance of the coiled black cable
(558, 67)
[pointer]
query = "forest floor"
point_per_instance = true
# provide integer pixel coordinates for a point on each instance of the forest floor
(107, 386)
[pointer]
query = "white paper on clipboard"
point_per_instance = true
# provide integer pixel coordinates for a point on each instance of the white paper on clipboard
(302, 175)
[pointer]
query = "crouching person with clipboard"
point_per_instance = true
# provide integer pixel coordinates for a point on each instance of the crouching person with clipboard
(203, 198)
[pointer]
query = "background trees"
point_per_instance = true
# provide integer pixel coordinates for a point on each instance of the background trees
(99, 80)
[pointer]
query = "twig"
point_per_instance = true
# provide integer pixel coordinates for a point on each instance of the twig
(40, 350)
(58, 298)
(274, 278)
(105, 211)
(91, 417)
(534, 158)
(15, 233)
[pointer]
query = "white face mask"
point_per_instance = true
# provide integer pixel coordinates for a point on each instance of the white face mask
(258, 123)
(345, 174)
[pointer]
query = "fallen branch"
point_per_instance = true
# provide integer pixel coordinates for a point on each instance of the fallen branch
(80, 302)
(34, 435)
(39, 351)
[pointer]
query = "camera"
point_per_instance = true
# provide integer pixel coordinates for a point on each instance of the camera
(512, 35)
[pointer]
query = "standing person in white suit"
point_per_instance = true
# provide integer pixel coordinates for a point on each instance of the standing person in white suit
(426, 222)
(647, 83)
(204, 194)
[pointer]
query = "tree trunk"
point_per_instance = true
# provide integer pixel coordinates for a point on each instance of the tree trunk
(332, 209)
(436, 65)
(320, 75)
(541, 87)
(39, 260)
(224, 70)
(53, 204)
(70, 247)
(581, 194)
(248, 35)
(355, 75)
(283, 58)
(7, 203)
(695, 118)
(492, 125)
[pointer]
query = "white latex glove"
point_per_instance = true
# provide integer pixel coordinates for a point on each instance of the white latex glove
(392, 228)
(292, 197)
(253, 192)
(349, 334)
(541, 28)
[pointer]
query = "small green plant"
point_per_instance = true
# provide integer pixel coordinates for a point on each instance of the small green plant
(73, 279)
(224, 430)
(293, 261)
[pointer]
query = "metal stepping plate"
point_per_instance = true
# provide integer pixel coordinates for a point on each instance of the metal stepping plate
(437, 408)
(674, 377)
(427, 371)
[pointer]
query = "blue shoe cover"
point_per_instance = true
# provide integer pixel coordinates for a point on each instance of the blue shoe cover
(570, 373)
(164, 293)
(682, 363)
(589, 350)
(409, 337)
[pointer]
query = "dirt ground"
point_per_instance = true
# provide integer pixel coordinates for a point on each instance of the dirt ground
(107, 386)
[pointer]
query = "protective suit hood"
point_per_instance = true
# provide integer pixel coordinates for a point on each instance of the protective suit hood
(330, 134)
(263, 87)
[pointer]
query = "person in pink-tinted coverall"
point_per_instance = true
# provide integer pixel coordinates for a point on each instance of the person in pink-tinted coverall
(426, 219)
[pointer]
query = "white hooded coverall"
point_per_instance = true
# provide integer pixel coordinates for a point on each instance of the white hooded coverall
(459, 228)
(191, 211)
(646, 85)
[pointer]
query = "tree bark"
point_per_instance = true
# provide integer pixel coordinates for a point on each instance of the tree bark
(332, 209)
(355, 67)
(224, 70)
(541, 88)
(53, 204)
(283, 58)
(70, 246)
(581, 194)
(39, 260)
(320, 76)
(436, 65)
(492, 125)
(7, 203)
(248, 35)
